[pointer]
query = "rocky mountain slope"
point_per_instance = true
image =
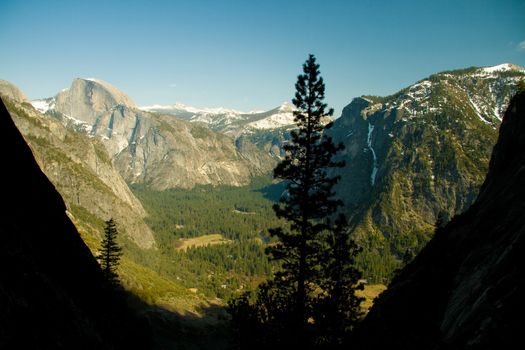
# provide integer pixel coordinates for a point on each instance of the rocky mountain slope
(465, 290)
(52, 289)
(83, 173)
(153, 149)
(267, 130)
(418, 154)
(11, 91)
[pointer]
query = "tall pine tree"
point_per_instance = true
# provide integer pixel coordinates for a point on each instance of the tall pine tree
(311, 300)
(309, 198)
(110, 252)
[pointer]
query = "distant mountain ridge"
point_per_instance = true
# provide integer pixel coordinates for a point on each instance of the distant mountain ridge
(267, 130)
(230, 121)
(149, 148)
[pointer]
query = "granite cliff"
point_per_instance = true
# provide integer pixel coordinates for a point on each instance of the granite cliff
(158, 150)
(465, 289)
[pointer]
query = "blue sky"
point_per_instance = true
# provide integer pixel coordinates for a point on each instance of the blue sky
(247, 54)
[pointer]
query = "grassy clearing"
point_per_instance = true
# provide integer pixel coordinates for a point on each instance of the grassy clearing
(154, 289)
(370, 292)
(201, 241)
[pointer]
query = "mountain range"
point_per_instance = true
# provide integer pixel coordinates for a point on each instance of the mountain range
(230, 121)
(412, 157)
(150, 148)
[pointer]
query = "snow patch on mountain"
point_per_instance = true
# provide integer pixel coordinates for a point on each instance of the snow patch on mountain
(499, 68)
(274, 121)
(228, 120)
(478, 111)
(43, 105)
(492, 72)
(286, 107)
(78, 125)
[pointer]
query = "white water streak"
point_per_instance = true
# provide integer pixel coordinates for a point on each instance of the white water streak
(369, 143)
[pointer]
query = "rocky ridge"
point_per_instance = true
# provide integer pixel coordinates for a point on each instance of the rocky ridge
(11, 91)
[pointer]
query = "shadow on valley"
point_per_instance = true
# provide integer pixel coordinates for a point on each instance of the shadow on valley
(273, 192)
(207, 329)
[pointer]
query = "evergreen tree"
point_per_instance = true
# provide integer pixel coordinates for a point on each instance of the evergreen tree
(311, 300)
(308, 201)
(110, 253)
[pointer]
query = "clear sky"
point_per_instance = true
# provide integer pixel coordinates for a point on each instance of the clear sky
(247, 54)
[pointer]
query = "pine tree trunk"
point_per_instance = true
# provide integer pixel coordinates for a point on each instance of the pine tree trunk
(301, 281)
(301, 289)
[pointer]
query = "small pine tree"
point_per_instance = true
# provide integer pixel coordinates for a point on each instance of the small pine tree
(110, 253)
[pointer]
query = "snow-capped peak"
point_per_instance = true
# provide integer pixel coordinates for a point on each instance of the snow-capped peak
(286, 107)
(505, 67)
(181, 107)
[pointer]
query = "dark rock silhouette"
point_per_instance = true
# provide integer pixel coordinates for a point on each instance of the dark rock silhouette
(52, 291)
(465, 290)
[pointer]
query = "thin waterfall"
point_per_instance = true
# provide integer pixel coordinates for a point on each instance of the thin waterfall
(369, 143)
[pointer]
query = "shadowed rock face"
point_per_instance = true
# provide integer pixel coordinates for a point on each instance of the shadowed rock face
(52, 292)
(465, 290)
